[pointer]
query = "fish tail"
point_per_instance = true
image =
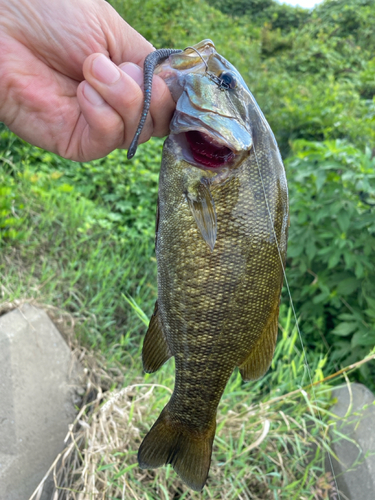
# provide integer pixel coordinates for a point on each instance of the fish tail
(188, 451)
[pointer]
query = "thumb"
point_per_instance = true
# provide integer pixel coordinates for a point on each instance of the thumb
(125, 44)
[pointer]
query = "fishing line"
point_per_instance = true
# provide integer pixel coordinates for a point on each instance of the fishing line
(295, 317)
(222, 85)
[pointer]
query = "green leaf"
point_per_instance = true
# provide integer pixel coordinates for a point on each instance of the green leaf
(363, 339)
(359, 269)
(370, 312)
(345, 316)
(371, 302)
(320, 179)
(343, 220)
(311, 250)
(295, 250)
(348, 286)
(334, 259)
(65, 188)
(344, 329)
(320, 298)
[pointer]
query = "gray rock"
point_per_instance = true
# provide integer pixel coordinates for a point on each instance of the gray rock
(355, 475)
(38, 377)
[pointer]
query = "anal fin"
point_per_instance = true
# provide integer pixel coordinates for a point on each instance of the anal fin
(155, 350)
(260, 357)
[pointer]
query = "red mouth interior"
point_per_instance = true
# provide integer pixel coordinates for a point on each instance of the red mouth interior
(206, 151)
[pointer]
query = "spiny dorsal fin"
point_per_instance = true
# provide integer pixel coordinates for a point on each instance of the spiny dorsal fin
(202, 207)
(155, 350)
(260, 357)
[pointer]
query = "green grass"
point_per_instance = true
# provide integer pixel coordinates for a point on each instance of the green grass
(270, 441)
(69, 250)
(68, 241)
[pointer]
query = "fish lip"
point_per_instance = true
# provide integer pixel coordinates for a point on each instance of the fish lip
(222, 130)
(188, 155)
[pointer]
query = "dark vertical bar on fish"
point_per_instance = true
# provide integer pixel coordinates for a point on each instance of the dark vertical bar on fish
(150, 62)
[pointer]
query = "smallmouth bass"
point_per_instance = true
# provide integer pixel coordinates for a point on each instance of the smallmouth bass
(221, 239)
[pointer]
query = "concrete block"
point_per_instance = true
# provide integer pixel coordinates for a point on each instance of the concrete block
(355, 475)
(38, 382)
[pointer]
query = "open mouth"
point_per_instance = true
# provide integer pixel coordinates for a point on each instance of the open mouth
(206, 151)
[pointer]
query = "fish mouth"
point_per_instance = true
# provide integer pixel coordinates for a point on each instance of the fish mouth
(207, 151)
(204, 150)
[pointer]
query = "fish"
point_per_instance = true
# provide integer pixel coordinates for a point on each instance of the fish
(221, 240)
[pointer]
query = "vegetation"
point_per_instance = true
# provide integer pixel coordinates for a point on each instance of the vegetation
(332, 247)
(313, 79)
(79, 236)
(260, 451)
(313, 75)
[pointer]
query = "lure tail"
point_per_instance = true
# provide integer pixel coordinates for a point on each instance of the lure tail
(188, 451)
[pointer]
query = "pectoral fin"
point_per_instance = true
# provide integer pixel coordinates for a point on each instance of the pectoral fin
(155, 350)
(202, 207)
(260, 357)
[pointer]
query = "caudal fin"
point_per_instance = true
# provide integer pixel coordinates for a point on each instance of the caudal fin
(188, 452)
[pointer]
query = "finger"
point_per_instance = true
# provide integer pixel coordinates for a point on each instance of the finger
(124, 42)
(99, 129)
(162, 105)
(121, 92)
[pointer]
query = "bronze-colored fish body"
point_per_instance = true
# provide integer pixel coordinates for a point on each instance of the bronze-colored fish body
(220, 245)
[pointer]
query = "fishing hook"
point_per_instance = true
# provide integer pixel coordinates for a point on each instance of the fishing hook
(216, 79)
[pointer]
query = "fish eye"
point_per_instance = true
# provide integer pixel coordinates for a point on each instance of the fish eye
(228, 79)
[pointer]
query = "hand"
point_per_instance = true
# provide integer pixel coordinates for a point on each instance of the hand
(71, 78)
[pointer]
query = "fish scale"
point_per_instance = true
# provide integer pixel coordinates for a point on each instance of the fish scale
(209, 281)
(220, 247)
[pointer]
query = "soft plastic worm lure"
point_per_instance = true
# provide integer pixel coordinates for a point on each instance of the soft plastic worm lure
(150, 62)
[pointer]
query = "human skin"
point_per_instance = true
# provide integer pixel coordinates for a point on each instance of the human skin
(71, 78)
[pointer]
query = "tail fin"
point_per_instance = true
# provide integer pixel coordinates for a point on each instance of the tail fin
(188, 452)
